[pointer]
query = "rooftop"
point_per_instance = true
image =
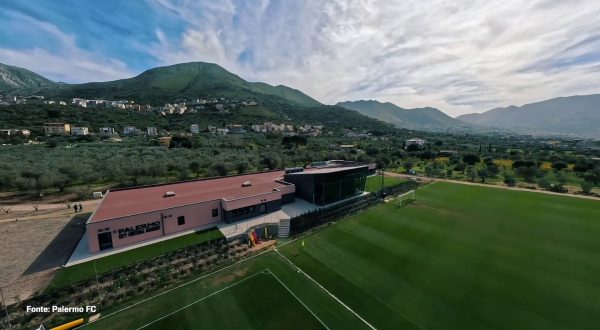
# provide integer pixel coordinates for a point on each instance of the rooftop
(124, 202)
(325, 170)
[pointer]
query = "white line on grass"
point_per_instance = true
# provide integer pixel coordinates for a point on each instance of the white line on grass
(303, 304)
(201, 299)
(209, 274)
(327, 291)
(175, 288)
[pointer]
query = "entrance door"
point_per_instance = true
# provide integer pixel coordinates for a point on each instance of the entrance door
(105, 241)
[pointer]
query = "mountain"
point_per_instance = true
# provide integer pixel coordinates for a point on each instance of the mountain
(573, 115)
(420, 118)
(13, 78)
(169, 83)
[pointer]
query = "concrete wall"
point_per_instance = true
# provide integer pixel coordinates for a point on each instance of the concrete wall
(196, 215)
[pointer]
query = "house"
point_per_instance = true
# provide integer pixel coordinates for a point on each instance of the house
(194, 129)
(25, 132)
(8, 132)
(57, 129)
(107, 131)
(130, 130)
(236, 129)
(420, 143)
(165, 141)
(79, 131)
(347, 147)
(151, 131)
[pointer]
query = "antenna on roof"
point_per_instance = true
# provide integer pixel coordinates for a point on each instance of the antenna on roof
(246, 184)
(169, 194)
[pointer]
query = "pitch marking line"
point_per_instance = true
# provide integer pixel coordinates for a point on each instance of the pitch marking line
(177, 287)
(327, 291)
(303, 304)
(203, 298)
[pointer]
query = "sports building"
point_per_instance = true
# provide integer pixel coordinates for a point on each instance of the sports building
(130, 216)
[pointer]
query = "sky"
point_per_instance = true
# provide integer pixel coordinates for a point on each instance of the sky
(459, 56)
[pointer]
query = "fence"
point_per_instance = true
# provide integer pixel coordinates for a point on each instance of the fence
(325, 215)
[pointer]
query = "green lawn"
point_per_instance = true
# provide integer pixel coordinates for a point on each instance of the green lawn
(85, 270)
(460, 257)
(249, 295)
(465, 257)
(374, 182)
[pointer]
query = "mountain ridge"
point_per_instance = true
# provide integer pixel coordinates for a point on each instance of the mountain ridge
(427, 118)
(166, 83)
(571, 115)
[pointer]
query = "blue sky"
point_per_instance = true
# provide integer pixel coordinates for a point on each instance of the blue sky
(463, 56)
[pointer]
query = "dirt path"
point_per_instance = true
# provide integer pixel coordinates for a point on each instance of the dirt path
(26, 211)
(406, 176)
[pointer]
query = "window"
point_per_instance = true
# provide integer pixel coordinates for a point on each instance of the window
(181, 220)
(215, 212)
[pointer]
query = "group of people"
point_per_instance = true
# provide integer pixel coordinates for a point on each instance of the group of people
(78, 208)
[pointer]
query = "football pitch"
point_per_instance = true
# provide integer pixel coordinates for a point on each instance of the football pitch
(460, 257)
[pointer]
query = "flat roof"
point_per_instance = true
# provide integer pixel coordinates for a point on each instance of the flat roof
(324, 170)
(124, 202)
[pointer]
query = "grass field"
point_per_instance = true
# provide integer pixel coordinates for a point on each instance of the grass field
(374, 182)
(460, 257)
(86, 270)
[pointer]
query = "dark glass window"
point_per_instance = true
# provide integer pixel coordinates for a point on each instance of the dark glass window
(181, 220)
(215, 212)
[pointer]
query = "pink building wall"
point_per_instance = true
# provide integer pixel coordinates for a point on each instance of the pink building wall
(196, 215)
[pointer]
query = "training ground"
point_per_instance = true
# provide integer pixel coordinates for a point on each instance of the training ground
(460, 257)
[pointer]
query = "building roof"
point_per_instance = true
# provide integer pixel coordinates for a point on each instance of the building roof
(325, 170)
(120, 203)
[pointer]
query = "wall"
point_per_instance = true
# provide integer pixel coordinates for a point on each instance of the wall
(196, 215)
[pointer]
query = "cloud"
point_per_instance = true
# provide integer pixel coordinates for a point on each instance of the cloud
(461, 57)
(65, 61)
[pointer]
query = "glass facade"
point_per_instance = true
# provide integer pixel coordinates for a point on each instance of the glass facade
(333, 187)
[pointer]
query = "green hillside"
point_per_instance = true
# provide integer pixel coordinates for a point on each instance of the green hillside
(13, 78)
(187, 80)
(421, 118)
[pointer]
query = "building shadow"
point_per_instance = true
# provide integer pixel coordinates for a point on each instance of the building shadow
(57, 253)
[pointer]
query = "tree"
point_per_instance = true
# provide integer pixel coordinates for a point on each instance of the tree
(408, 166)
(586, 187)
(559, 165)
(510, 180)
(460, 167)
(471, 174)
(221, 169)
(241, 167)
(471, 159)
(412, 148)
(195, 167)
(483, 174)
(527, 173)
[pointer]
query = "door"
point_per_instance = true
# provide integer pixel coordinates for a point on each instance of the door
(105, 241)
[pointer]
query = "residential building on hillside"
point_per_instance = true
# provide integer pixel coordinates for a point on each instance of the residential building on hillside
(420, 143)
(79, 131)
(130, 130)
(107, 131)
(194, 129)
(57, 129)
(151, 131)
